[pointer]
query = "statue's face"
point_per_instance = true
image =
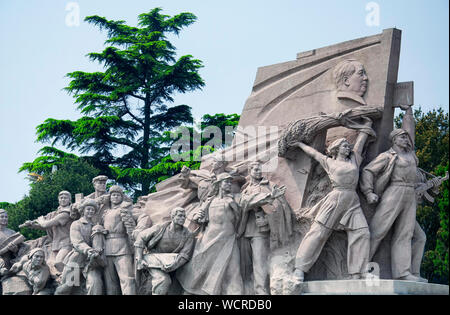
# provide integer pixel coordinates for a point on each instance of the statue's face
(218, 166)
(256, 171)
(64, 200)
(345, 149)
(89, 212)
(4, 219)
(402, 141)
(100, 186)
(226, 185)
(116, 198)
(38, 258)
(357, 82)
(179, 217)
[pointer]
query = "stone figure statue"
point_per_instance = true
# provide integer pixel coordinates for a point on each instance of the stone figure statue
(189, 189)
(264, 215)
(100, 196)
(33, 269)
(9, 243)
(340, 209)
(122, 224)
(351, 80)
(169, 246)
(83, 258)
(57, 225)
(215, 264)
(391, 179)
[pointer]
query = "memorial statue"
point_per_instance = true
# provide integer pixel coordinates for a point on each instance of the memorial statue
(83, 258)
(391, 179)
(9, 243)
(34, 270)
(169, 246)
(260, 202)
(57, 225)
(340, 209)
(215, 264)
(122, 223)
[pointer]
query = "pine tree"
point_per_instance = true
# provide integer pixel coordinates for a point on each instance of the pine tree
(126, 107)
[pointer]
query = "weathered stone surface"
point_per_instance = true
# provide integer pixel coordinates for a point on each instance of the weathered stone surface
(373, 287)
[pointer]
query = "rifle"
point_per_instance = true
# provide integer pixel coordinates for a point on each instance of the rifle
(422, 190)
(15, 239)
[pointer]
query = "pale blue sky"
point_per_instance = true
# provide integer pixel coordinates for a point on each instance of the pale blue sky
(232, 38)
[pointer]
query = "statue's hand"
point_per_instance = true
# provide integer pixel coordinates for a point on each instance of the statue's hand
(278, 191)
(185, 171)
(199, 216)
(372, 198)
(168, 268)
(92, 253)
(403, 107)
(13, 247)
(15, 268)
(141, 264)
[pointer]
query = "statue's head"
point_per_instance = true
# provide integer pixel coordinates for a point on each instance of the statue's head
(339, 147)
(400, 138)
(116, 194)
(88, 208)
(219, 163)
(64, 198)
(37, 256)
(99, 183)
(255, 170)
(224, 181)
(350, 76)
(178, 215)
(3, 217)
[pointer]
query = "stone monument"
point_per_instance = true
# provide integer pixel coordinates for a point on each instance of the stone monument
(316, 195)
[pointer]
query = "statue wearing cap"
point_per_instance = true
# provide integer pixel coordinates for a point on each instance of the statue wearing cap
(266, 224)
(100, 196)
(57, 225)
(391, 179)
(122, 223)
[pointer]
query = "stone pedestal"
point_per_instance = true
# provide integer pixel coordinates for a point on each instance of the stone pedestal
(372, 287)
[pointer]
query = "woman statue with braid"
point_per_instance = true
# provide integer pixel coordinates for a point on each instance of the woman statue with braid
(338, 210)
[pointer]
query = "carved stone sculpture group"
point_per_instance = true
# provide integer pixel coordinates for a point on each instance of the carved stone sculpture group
(223, 230)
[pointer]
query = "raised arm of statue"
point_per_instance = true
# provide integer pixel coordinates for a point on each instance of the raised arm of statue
(60, 219)
(362, 138)
(319, 157)
(409, 124)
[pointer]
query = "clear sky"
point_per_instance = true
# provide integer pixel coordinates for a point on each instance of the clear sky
(233, 38)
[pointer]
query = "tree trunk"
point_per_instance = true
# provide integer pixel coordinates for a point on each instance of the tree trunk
(145, 144)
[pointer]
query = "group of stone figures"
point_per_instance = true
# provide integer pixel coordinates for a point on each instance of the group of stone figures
(220, 240)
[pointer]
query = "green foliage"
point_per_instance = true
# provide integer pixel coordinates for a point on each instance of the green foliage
(73, 175)
(226, 124)
(432, 147)
(125, 107)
